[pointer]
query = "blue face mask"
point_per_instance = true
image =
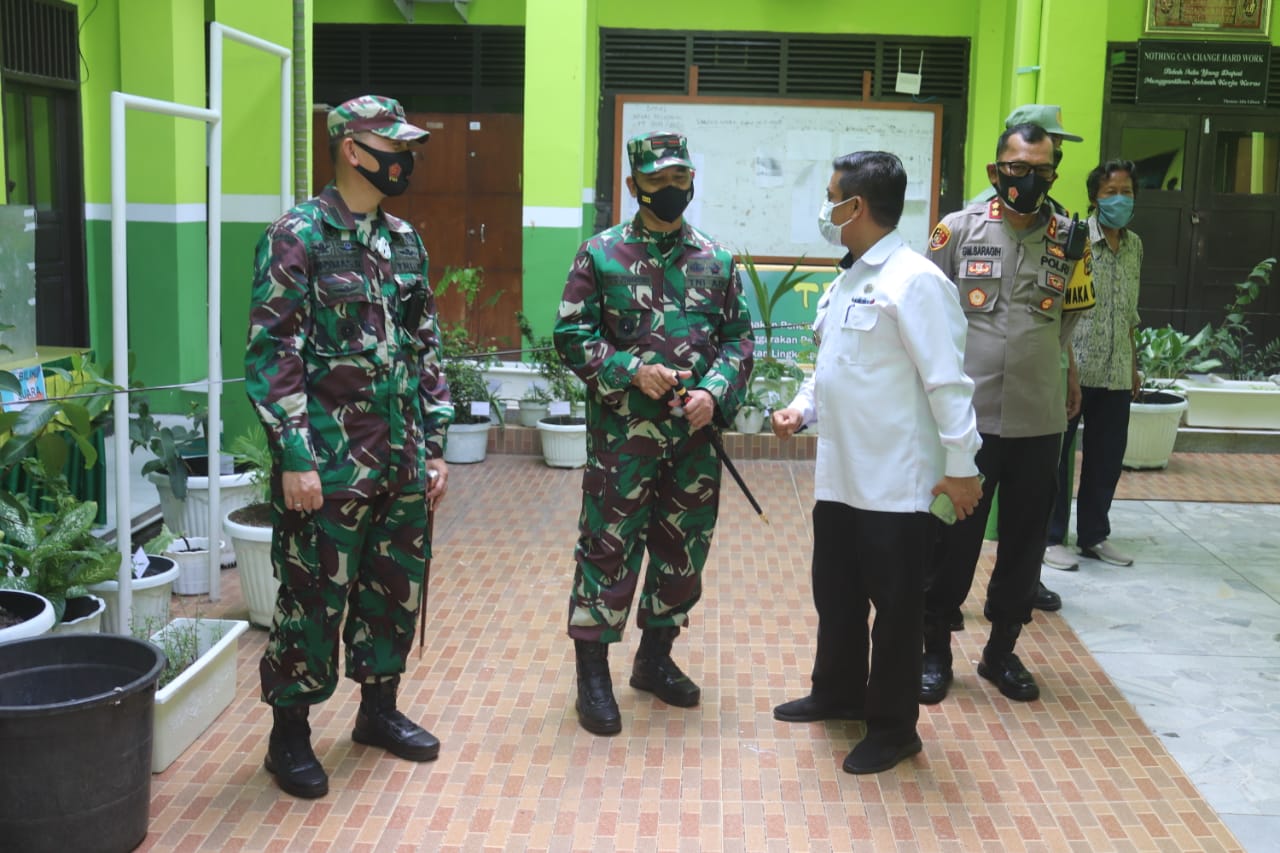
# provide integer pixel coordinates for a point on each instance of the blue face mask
(1115, 211)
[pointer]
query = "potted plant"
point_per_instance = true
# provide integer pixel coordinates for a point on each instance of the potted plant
(563, 435)
(1164, 355)
(197, 683)
(533, 405)
(1248, 395)
(180, 470)
(60, 555)
(249, 528)
(467, 437)
(750, 417)
(191, 554)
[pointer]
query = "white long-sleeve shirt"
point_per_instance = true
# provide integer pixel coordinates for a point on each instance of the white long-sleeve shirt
(889, 387)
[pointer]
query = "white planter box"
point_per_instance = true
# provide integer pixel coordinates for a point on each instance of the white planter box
(1153, 429)
(1232, 404)
(513, 378)
(186, 706)
(258, 582)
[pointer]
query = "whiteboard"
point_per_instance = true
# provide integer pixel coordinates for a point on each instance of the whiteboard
(763, 166)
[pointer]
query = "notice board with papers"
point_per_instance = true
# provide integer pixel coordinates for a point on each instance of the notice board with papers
(762, 165)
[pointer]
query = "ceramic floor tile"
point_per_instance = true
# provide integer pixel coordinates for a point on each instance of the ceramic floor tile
(1083, 769)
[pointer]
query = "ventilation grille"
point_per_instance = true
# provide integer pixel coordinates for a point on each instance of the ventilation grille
(1122, 76)
(794, 66)
(413, 62)
(38, 40)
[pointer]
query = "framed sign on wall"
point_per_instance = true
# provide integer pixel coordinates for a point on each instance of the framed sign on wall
(1199, 18)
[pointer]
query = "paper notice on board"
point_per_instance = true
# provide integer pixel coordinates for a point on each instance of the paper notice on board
(768, 168)
(804, 145)
(808, 192)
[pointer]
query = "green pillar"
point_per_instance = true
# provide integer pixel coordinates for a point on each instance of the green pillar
(555, 149)
(162, 56)
(992, 56)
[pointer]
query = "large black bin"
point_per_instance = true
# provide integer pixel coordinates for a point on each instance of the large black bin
(76, 716)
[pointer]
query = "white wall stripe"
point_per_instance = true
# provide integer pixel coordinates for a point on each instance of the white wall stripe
(553, 217)
(588, 195)
(235, 208)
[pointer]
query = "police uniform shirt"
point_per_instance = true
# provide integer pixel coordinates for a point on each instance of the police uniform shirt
(889, 387)
(1012, 288)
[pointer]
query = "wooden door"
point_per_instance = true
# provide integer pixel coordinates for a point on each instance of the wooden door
(465, 198)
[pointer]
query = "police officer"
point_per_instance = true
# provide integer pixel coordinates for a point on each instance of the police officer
(649, 304)
(1009, 257)
(342, 367)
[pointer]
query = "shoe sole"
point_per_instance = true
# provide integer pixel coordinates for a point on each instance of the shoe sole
(675, 701)
(296, 790)
(986, 673)
(1092, 555)
(900, 756)
(811, 718)
(606, 728)
(1071, 568)
(425, 754)
(1048, 608)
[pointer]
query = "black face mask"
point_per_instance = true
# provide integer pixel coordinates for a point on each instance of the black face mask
(1023, 195)
(394, 169)
(667, 203)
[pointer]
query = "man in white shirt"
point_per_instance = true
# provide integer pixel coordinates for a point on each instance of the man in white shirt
(898, 429)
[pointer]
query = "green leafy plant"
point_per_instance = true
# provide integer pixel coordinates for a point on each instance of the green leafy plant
(61, 555)
(562, 384)
(1231, 342)
(467, 385)
(765, 301)
(1165, 355)
(46, 428)
(180, 642)
(171, 445)
(252, 455)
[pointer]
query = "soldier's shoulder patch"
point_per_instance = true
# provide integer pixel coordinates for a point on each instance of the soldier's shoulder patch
(977, 297)
(1057, 282)
(940, 236)
(994, 209)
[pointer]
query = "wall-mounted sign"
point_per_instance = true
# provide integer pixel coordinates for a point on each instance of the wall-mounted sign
(1210, 73)
(1195, 18)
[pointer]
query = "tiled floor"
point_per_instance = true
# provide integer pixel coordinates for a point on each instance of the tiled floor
(1079, 770)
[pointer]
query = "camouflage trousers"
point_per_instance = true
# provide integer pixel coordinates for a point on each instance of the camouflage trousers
(364, 557)
(630, 504)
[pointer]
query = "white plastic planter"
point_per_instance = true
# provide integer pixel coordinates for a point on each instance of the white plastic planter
(1153, 429)
(749, 421)
(531, 411)
(36, 608)
(563, 445)
(190, 516)
(191, 553)
(466, 443)
(258, 582)
(150, 599)
(186, 706)
(90, 609)
(1232, 403)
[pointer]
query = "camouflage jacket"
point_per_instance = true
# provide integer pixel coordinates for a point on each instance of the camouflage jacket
(625, 305)
(343, 363)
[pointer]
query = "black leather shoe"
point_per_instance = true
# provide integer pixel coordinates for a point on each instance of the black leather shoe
(877, 753)
(597, 709)
(956, 623)
(935, 678)
(811, 709)
(378, 723)
(1046, 599)
(654, 670)
(1010, 676)
(289, 756)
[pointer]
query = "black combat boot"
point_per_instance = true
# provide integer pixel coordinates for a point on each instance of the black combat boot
(378, 723)
(289, 756)
(1001, 666)
(656, 672)
(935, 665)
(597, 709)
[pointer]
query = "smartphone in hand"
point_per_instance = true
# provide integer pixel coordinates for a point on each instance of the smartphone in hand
(943, 509)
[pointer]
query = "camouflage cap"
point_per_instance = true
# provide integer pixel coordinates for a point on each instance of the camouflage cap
(652, 152)
(1048, 116)
(383, 116)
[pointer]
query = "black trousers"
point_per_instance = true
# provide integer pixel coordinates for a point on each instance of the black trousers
(1026, 470)
(863, 558)
(1106, 418)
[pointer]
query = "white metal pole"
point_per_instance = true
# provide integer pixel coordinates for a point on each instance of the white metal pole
(286, 134)
(213, 221)
(120, 359)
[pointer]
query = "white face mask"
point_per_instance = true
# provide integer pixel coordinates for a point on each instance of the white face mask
(830, 231)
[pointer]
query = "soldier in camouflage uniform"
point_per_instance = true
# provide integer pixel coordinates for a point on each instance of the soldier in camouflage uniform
(649, 304)
(342, 367)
